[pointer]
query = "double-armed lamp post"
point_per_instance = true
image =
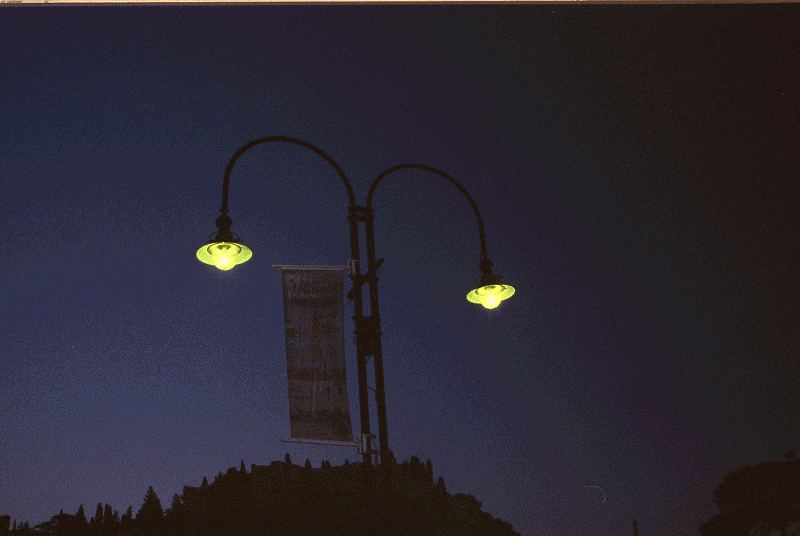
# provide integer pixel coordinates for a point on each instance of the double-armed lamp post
(225, 250)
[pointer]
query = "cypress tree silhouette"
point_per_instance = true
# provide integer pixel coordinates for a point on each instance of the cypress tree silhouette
(109, 523)
(150, 517)
(242, 468)
(79, 523)
(96, 523)
(287, 459)
(126, 522)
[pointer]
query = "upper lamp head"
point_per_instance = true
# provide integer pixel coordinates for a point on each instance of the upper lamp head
(490, 296)
(224, 255)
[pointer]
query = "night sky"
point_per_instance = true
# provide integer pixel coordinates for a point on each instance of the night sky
(638, 172)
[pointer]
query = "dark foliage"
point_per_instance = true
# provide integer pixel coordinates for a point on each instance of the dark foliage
(79, 524)
(289, 500)
(150, 517)
(758, 500)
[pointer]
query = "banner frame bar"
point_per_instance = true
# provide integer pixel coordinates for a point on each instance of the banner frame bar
(321, 442)
(344, 268)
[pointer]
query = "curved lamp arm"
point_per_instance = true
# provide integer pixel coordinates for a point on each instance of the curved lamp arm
(487, 277)
(224, 222)
(286, 139)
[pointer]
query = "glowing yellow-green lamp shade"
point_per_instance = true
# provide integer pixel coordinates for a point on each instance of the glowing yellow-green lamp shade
(490, 296)
(224, 255)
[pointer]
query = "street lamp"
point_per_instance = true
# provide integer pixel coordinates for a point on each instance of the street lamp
(490, 296)
(225, 250)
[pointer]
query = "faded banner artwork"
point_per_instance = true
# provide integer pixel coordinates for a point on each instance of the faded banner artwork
(313, 314)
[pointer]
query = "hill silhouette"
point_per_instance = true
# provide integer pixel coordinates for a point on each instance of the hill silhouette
(284, 499)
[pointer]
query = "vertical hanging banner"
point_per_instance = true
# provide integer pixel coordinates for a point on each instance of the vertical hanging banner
(314, 322)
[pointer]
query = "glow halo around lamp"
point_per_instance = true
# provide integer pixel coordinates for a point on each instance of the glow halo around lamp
(224, 255)
(490, 296)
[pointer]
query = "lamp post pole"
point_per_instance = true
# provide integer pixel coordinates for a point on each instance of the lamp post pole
(373, 264)
(225, 251)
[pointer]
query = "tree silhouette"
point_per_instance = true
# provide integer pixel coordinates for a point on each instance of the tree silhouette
(758, 500)
(79, 523)
(150, 517)
(126, 522)
(96, 522)
(289, 500)
(110, 520)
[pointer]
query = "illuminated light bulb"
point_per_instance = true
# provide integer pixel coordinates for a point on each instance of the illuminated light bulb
(223, 259)
(490, 296)
(491, 301)
(224, 255)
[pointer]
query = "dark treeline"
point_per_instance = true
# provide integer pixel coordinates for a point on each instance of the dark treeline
(284, 499)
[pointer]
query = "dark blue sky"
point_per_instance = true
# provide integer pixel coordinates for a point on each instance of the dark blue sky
(637, 170)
